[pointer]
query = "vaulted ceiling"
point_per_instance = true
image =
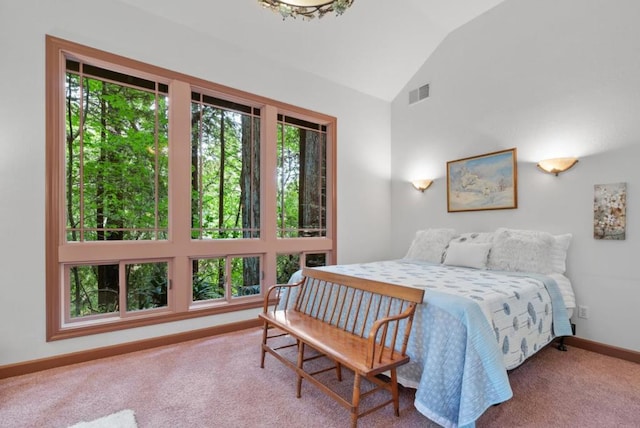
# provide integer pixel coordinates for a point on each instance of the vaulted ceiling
(375, 47)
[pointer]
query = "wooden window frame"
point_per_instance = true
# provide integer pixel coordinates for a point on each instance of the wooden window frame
(179, 249)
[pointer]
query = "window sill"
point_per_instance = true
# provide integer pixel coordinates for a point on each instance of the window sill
(71, 330)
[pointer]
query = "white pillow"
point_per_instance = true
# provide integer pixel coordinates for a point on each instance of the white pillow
(558, 254)
(473, 255)
(428, 245)
(521, 251)
(475, 237)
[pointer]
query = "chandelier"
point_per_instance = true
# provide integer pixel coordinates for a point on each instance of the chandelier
(307, 9)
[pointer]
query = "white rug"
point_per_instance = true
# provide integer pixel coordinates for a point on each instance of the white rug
(121, 419)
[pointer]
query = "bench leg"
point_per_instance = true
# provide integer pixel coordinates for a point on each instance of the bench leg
(394, 391)
(355, 401)
(264, 343)
(300, 364)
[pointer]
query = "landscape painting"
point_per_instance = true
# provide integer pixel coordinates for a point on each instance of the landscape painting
(485, 182)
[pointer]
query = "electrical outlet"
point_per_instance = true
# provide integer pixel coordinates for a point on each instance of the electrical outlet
(583, 312)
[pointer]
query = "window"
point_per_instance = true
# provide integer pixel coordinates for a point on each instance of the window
(301, 178)
(225, 175)
(211, 277)
(115, 289)
(116, 156)
(169, 197)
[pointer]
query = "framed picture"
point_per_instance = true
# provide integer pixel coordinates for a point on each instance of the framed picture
(485, 182)
(610, 211)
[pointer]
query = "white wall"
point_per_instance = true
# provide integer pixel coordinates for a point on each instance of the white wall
(363, 148)
(551, 78)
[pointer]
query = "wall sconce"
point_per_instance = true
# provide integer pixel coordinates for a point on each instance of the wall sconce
(422, 184)
(557, 165)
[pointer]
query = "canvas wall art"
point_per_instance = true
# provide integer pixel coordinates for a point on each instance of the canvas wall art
(485, 182)
(610, 211)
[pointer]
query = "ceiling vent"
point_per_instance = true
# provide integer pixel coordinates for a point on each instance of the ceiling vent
(419, 94)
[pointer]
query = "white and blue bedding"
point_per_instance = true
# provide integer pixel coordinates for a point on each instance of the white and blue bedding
(476, 325)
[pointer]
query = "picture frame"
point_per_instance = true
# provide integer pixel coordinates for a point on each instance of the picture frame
(610, 211)
(483, 182)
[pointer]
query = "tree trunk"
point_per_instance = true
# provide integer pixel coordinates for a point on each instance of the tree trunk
(196, 126)
(108, 283)
(250, 194)
(221, 234)
(310, 194)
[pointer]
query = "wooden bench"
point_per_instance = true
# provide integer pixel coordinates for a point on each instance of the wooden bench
(356, 323)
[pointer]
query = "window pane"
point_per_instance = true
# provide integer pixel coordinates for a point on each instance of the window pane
(245, 276)
(301, 179)
(225, 164)
(287, 265)
(146, 285)
(93, 290)
(116, 161)
(315, 260)
(208, 279)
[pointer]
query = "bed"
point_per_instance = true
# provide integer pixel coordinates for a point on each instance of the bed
(492, 300)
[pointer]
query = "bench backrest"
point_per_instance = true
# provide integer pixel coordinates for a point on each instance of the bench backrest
(355, 304)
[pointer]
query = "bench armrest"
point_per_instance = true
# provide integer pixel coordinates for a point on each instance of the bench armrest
(377, 345)
(276, 290)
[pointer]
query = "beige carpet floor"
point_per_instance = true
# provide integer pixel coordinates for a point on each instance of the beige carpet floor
(217, 382)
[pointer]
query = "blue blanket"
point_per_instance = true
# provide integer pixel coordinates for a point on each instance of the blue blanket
(462, 369)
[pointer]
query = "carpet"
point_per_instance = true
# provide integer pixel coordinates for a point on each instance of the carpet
(217, 382)
(121, 419)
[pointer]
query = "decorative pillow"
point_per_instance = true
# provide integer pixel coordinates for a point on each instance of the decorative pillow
(475, 237)
(558, 254)
(473, 255)
(521, 251)
(428, 245)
